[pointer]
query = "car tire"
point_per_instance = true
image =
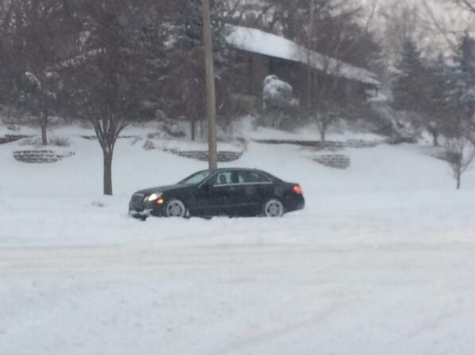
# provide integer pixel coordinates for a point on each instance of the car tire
(175, 208)
(273, 208)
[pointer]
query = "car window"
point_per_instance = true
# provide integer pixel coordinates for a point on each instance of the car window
(222, 178)
(252, 177)
(236, 177)
(226, 178)
(195, 178)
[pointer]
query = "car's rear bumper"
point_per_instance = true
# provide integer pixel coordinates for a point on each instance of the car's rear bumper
(295, 204)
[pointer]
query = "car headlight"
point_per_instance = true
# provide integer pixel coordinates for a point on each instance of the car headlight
(153, 197)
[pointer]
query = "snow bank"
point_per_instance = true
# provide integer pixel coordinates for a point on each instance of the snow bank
(380, 261)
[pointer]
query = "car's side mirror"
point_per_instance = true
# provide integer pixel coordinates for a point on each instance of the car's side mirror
(206, 187)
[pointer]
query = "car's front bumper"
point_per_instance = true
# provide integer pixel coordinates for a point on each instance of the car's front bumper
(140, 214)
(144, 210)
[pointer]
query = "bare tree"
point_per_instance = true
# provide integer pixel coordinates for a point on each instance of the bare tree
(468, 5)
(329, 43)
(401, 23)
(460, 154)
(446, 20)
(114, 74)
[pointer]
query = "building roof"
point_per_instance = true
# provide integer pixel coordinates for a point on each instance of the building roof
(257, 41)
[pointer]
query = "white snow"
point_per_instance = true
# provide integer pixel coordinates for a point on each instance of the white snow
(309, 132)
(381, 261)
(257, 41)
(33, 80)
(276, 92)
(181, 145)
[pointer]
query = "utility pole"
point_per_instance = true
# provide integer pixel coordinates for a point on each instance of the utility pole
(310, 49)
(210, 87)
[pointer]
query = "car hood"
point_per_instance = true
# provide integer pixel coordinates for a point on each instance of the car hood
(163, 189)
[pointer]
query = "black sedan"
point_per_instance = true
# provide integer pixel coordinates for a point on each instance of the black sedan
(228, 192)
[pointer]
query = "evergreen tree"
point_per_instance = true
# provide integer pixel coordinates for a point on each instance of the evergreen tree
(462, 84)
(194, 25)
(436, 117)
(34, 35)
(409, 85)
(423, 89)
(185, 77)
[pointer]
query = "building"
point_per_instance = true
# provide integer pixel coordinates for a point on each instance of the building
(262, 54)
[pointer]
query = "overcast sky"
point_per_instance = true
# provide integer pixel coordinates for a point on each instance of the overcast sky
(441, 22)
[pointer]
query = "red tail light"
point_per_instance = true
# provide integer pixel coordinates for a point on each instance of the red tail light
(298, 190)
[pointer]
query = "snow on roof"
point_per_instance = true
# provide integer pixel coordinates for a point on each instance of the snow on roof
(257, 41)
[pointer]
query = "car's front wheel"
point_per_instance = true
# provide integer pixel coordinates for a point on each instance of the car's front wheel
(273, 208)
(175, 208)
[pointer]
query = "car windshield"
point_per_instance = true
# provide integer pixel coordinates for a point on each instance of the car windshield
(195, 178)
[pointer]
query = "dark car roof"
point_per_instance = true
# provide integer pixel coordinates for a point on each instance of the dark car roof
(272, 177)
(240, 169)
(232, 169)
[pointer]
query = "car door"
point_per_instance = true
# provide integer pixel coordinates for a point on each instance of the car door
(257, 190)
(236, 203)
(226, 194)
(222, 193)
(213, 197)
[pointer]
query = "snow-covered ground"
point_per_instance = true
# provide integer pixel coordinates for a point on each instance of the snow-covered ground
(381, 261)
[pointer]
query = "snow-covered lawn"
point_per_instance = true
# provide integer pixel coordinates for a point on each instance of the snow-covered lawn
(381, 261)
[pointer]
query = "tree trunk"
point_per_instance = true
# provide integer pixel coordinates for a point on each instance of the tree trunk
(323, 132)
(108, 172)
(44, 128)
(193, 128)
(310, 78)
(435, 136)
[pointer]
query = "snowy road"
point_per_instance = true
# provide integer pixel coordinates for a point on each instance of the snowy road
(246, 299)
(243, 286)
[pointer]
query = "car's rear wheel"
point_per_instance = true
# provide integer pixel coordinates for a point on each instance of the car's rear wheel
(273, 208)
(175, 208)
